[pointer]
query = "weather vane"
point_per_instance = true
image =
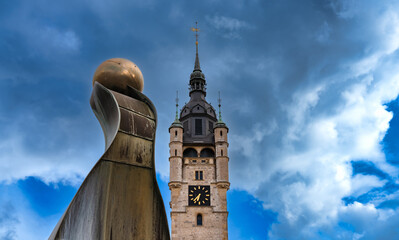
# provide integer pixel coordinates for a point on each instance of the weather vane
(196, 30)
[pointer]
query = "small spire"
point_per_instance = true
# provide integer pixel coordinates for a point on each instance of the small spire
(220, 106)
(177, 122)
(197, 63)
(177, 107)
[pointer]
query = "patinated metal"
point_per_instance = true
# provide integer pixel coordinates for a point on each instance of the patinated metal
(120, 198)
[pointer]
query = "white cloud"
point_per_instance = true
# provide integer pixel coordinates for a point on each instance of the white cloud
(63, 162)
(232, 24)
(230, 27)
(361, 184)
(323, 34)
(369, 222)
(60, 40)
(297, 112)
(246, 145)
(344, 8)
(8, 220)
(18, 218)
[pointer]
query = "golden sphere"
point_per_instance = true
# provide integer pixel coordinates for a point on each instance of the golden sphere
(118, 73)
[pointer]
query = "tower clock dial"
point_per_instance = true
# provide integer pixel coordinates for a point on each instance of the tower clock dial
(199, 195)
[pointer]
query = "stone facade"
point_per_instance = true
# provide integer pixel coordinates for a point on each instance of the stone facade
(182, 175)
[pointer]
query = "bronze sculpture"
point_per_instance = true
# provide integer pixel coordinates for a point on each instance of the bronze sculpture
(120, 198)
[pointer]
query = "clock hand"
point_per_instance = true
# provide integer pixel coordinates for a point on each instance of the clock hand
(197, 198)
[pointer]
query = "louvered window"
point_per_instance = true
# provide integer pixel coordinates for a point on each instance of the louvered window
(198, 126)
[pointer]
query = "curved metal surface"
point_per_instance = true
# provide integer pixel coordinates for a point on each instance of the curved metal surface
(105, 107)
(120, 198)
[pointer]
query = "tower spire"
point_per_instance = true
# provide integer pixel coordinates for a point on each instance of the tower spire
(177, 107)
(197, 63)
(177, 122)
(197, 78)
(220, 111)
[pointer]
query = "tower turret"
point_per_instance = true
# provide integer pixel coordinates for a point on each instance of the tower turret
(222, 160)
(176, 146)
(222, 157)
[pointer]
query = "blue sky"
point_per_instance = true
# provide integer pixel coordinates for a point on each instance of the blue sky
(309, 91)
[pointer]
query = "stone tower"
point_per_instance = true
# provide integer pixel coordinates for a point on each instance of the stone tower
(199, 175)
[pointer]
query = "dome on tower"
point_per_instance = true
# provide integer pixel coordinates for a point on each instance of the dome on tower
(197, 74)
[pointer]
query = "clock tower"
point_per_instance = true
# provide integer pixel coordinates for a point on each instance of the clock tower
(199, 175)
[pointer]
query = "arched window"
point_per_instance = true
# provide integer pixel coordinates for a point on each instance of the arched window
(190, 152)
(207, 152)
(221, 133)
(199, 220)
(175, 152)
(175, 133)
(221, 151)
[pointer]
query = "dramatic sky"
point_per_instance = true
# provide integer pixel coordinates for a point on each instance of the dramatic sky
(309, 91)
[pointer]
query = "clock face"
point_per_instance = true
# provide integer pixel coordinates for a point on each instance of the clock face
(199, 196)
